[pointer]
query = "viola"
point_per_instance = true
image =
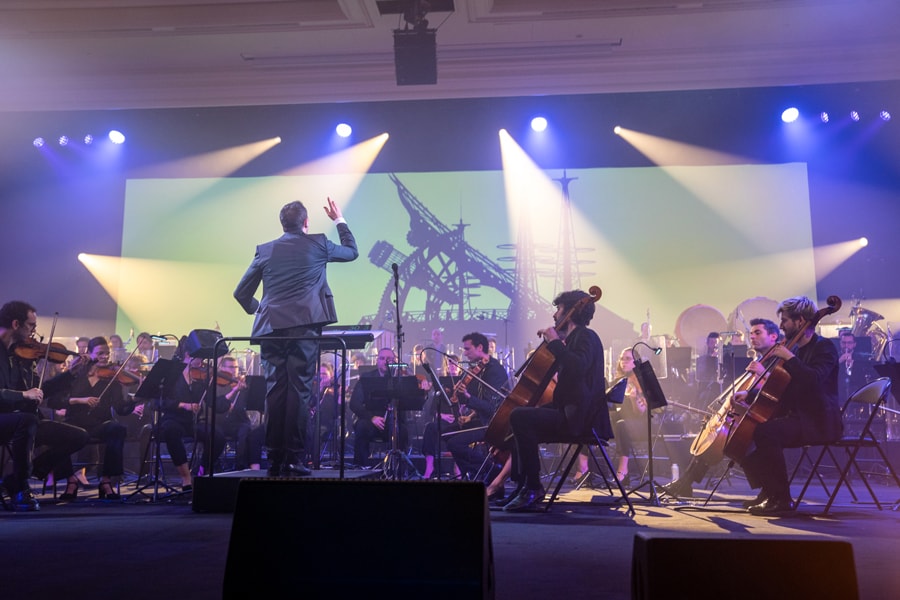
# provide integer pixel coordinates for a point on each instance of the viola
(121, 375)
(222, 377)
(463, 384)
(31, 349)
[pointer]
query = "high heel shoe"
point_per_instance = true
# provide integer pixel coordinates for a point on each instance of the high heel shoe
(106, 492)
(71, 492)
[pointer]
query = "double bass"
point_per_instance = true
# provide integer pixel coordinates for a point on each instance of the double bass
(534, 386)
(742, 420)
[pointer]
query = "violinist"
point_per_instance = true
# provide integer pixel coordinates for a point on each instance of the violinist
(809, 413)
(580, 389)
(764, 334)
(17, 426)
(89, 404)
(231, 392)
(182, 417)
(479, 398)
(21, 393)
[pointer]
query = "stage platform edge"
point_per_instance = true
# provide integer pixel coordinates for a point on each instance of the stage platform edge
(218, 494)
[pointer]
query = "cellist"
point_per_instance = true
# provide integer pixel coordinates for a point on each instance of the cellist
(764, 334)
(580, 386)
(809, 413)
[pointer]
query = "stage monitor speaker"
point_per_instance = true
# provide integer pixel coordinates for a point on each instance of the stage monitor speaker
(666, 566)
(201, 343)
(330, 538)
(415, 56)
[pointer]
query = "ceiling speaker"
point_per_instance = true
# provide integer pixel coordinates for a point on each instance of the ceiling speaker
(415, 56)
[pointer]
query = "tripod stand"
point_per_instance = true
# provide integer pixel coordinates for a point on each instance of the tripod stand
(393, 396)
(646, 378)
(157, 385)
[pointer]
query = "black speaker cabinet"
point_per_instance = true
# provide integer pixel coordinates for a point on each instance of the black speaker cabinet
(415, 56)
(666, 566)
(201, 343)
(329, 538)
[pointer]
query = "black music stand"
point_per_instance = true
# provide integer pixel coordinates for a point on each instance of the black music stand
(646, 378)
(160, 383)
(393, 395)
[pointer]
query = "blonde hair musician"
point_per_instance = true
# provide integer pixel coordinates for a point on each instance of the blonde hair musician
(629, 423)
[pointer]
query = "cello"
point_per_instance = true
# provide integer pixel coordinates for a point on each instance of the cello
(535, 385)
(767, 402)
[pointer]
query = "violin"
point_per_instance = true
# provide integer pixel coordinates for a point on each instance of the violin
(222, 377)
(463, 384)
(31, 349)
(121, 375)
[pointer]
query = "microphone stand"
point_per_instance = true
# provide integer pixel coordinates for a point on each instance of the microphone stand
(392, 468)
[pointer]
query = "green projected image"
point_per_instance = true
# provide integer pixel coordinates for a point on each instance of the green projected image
(655, 240)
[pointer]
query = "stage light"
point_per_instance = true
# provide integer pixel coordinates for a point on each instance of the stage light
(88, 140)
(343, 130)
(116, 137)
(38, 142)
(885, 115)
(854, 115)
(617, 130)
(63, 140)
(863, 242)
(824, 116)
(538, 124)
(790, 115)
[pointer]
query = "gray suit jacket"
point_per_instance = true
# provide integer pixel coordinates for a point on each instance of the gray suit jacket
(292, 271)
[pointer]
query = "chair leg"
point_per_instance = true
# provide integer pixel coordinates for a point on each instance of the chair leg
(624, 494)
(563, 474)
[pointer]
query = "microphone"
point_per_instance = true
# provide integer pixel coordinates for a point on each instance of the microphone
(158, 338)
(396, 271)
(729, 333)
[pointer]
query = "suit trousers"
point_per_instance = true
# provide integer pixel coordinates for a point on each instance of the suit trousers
(290, 368)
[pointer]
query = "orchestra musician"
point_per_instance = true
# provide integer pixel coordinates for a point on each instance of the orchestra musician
(369, 424)
(89, 403)
(764, 334)
(18, 405)
(630, 424)
(579, 391)
(181, 417)
(480, 396)
(809, 412)
(232, 394)
(854, 369)
(21, 393)
(296, 302)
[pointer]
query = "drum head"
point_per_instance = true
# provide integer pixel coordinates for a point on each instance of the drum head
(695, 323)
(759, 307)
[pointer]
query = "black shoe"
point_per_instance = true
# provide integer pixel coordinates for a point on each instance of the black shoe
(106, 492)
(774, 507)
(528, 500)
(68, 496)
(678, 489)
(500, 503)
(291, 470)
(760, 499)
(24, 501)
(498, 495)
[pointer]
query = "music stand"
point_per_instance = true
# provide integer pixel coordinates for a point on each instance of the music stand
(160, 383)
(393, 395)
(646, 378)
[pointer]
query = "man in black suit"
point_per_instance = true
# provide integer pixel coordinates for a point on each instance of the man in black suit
(578, 400)
(808, 412)
(296, 302)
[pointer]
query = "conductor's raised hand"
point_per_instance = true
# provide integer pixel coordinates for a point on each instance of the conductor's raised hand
(332, 210)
